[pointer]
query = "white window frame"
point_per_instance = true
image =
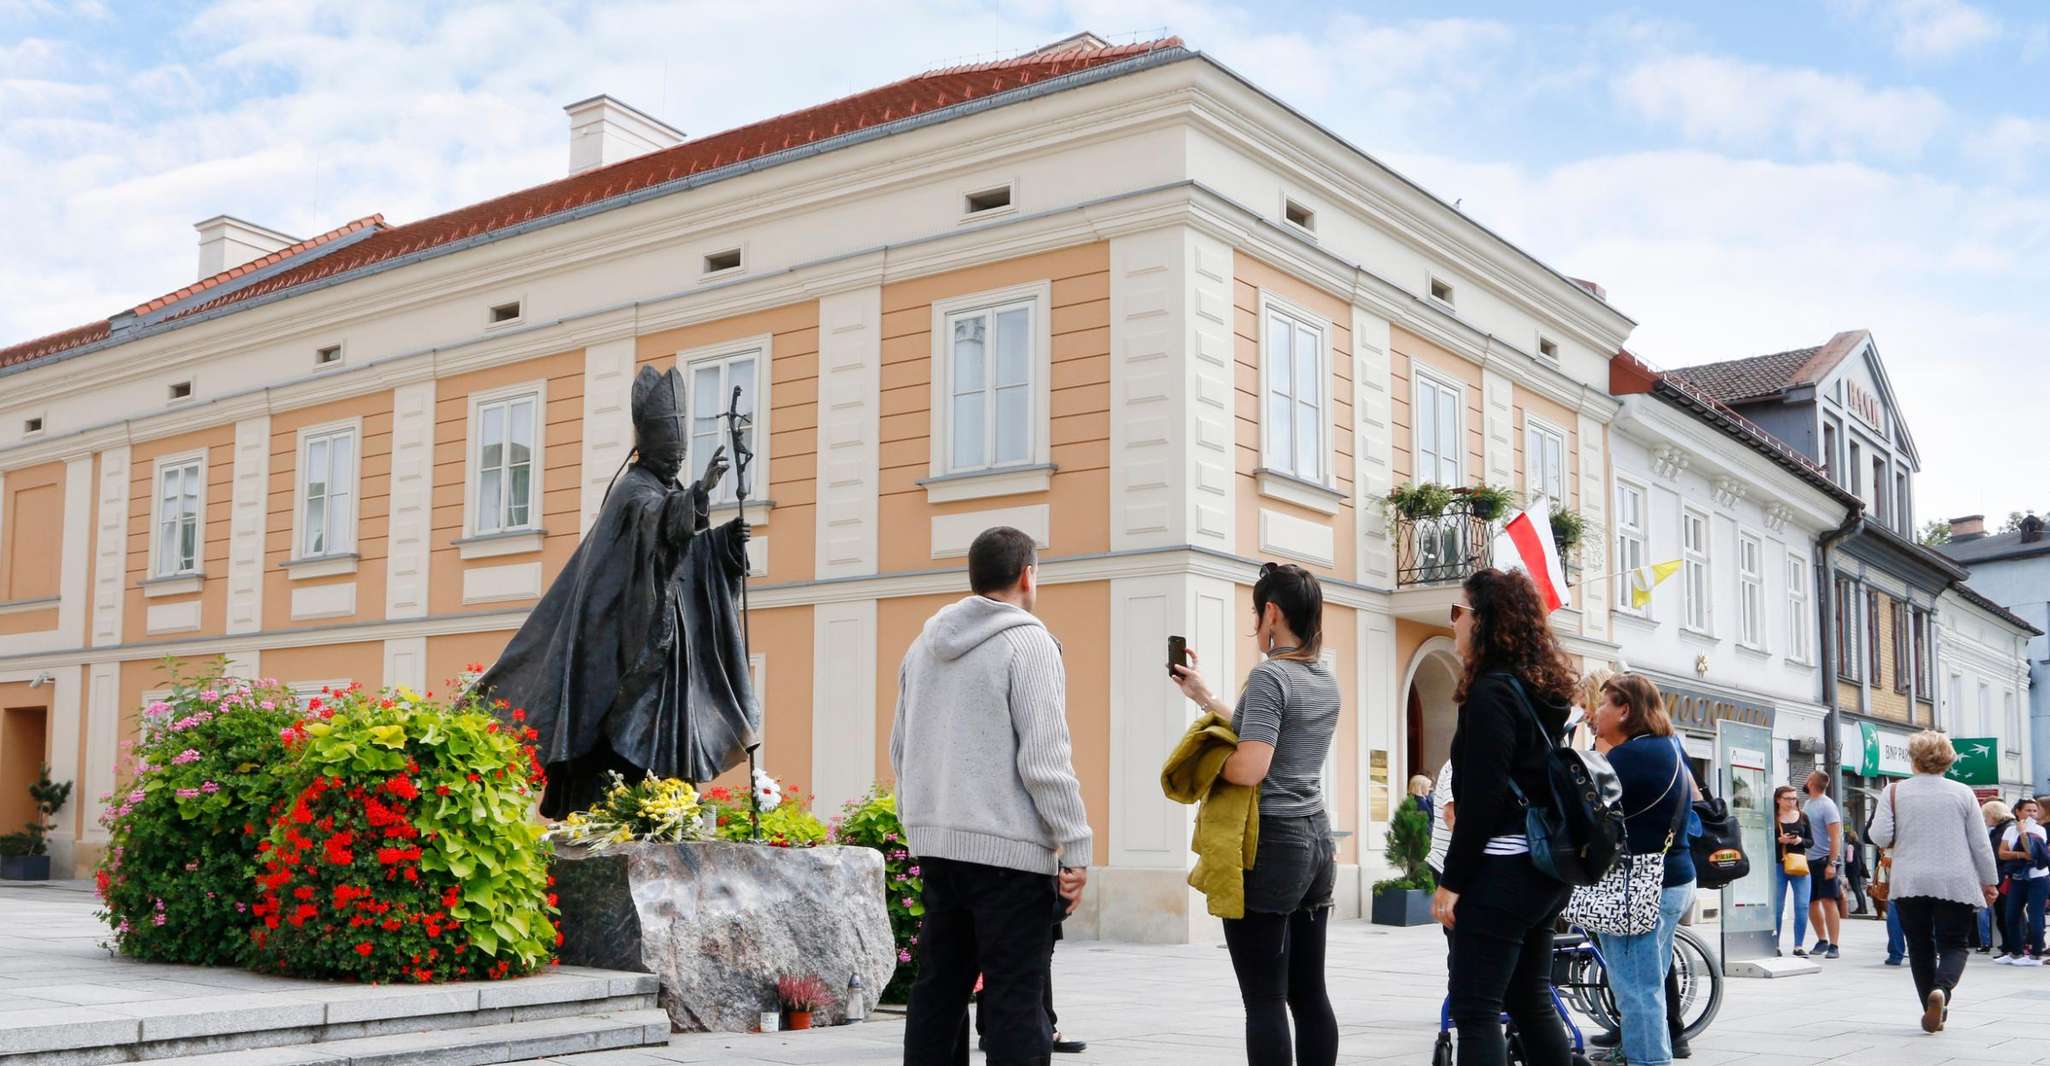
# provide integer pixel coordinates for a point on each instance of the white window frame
(760, 348)
(1751, 591)
(1954, 701)
(1799, 647)
(1418, 376)
(339, 542)
(1535, 432)
(196, 460)
(1696, 561)
(1040, 451)
(473, 457)
(1271, 307)
(1633, 544)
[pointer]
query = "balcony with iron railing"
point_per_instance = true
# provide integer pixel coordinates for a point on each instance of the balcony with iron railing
(1443, 540)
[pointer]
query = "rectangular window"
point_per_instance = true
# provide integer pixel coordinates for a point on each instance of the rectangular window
(990, 360)
(178, 518)
(1846, 628)
(1829, 466)
(1631, 538)
(506, 429)
(2007, 739)
(1920, 634)
(1903, 518)
(1296, 396)
(1544, 463)
(1881, 498)
(1798, 619)
(1694, 559)
(1872, 632)
(1857, 485)
(711, 386)
(1438, 444)
(327, 489)
(1750, 590)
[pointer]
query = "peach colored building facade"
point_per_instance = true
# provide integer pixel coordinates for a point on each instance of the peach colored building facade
(1193, 336)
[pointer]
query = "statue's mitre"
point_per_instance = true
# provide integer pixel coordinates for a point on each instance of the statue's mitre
(658, 410)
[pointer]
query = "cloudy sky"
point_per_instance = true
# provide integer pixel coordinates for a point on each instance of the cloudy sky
(1743, 176)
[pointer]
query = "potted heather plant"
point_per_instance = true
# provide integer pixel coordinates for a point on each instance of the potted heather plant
(801, 997)
(1406, 900)
(25, 856)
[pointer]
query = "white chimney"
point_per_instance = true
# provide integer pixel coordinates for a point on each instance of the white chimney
(603, 130)
(226, 241)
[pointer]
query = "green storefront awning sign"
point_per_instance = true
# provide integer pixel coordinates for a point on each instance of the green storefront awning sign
(1977, 761)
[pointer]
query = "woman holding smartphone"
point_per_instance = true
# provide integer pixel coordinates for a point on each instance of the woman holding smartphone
(1284, 720)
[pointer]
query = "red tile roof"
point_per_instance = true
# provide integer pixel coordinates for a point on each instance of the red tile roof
(1765, 376)
(924, 93)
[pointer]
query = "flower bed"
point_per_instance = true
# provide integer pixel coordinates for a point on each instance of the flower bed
(871, 822)
(176, 880)
(404, 849)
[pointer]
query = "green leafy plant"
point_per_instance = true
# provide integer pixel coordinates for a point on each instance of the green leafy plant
(871, 822)
(49, 797)
(201, 776)
(1488, 502)
(1423, 499)
(1409, 844)
(405, 850)
(787, 820)
(1567, 529)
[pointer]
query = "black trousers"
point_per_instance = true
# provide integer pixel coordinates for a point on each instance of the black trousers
(1937, 931)
(1502, 963)
(996, 922)
(1053, 1020)
(1279, 962)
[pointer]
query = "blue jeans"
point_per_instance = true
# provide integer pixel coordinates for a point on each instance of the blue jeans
(1897, 941)
(1781, 885)
(1637, 975)
(2029, 892)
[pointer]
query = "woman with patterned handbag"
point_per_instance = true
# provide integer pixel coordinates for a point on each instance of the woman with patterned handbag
(1790, 874)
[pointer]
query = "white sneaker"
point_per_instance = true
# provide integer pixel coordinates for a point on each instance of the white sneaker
(2028, 960)
(2003, 960)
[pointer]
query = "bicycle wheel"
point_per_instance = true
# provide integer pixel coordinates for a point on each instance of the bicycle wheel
(1700, 978)
(1588, 992)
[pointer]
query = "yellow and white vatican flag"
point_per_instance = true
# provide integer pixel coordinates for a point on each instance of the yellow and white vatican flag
(1643, 579)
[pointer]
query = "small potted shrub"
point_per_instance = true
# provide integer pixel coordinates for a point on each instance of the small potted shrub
(1406, 900)
(801, 997)
(1488, 502)
(1567, 529)
(1423, 499)
(25, 856)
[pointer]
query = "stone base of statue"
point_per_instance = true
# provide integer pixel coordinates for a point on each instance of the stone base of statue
(718, 923)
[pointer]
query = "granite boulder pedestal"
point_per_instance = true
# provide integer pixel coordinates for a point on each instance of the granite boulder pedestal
(718, 923)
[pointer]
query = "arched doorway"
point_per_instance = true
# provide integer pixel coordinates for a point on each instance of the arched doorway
(1431, 713)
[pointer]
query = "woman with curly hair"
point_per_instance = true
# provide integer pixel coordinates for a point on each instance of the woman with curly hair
(1513, 702)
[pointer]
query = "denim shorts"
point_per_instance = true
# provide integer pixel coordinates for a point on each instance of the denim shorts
(1295, 866)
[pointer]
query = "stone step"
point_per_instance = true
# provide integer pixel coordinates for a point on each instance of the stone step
(240, 1012)
(470, 1046)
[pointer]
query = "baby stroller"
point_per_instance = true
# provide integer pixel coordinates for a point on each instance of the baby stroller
(1567, 950)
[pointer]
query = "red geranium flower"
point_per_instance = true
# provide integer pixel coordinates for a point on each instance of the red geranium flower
(364, 949)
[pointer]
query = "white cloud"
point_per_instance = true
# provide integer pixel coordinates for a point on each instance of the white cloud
(1724, 101)
(2012, 147)
(1926, 29)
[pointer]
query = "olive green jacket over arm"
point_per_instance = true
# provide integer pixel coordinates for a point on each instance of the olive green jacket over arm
(1227, 815)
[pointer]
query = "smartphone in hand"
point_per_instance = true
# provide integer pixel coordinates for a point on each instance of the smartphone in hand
(1177, 653)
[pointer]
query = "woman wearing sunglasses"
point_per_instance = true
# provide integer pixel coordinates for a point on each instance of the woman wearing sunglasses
(1284, 720)
(1513, 702)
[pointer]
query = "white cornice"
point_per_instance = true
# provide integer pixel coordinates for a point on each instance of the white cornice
(1650, 422)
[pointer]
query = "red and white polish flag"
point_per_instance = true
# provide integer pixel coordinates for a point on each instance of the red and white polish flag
(1525, 544)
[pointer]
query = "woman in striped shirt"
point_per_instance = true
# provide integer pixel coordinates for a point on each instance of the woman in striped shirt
(1284, 721)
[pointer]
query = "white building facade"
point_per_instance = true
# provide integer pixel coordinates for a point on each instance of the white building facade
(1982, 665)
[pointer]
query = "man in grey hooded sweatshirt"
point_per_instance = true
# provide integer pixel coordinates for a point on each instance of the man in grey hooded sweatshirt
(987, 793)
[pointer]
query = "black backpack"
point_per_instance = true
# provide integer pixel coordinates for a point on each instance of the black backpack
(1719, 857)
(1578, 834)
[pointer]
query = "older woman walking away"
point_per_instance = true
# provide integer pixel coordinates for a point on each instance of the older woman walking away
(1632, 729)
(1513, 699)
(1943, 870)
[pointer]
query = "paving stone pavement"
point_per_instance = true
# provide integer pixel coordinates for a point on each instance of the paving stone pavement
(1145, 1004)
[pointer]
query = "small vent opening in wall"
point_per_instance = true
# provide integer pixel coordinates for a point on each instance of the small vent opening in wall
(328, 356)
(505, 313)
(726, 260)
(1548, 348)
(1441, 291)
(32, 425)
(989, 199)
(181, 390)
(1299, 216)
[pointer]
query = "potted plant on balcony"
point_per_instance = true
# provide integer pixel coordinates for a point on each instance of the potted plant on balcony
(1488, 502)
(1567, 530)
(25, 856)
(801, 997)
(1406, 900)
(1421, 499)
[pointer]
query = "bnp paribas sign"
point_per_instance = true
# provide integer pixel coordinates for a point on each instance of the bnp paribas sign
(1978, 761)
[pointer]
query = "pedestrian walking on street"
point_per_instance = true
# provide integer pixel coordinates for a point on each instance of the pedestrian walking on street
(1285, 717)
(1790, 873)
(1993, 919)
(2023, 854)
(1632, 729)
(1513, 700)
(992, 808)
(1855, 872)
(1825, 853)
(1943, 870)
